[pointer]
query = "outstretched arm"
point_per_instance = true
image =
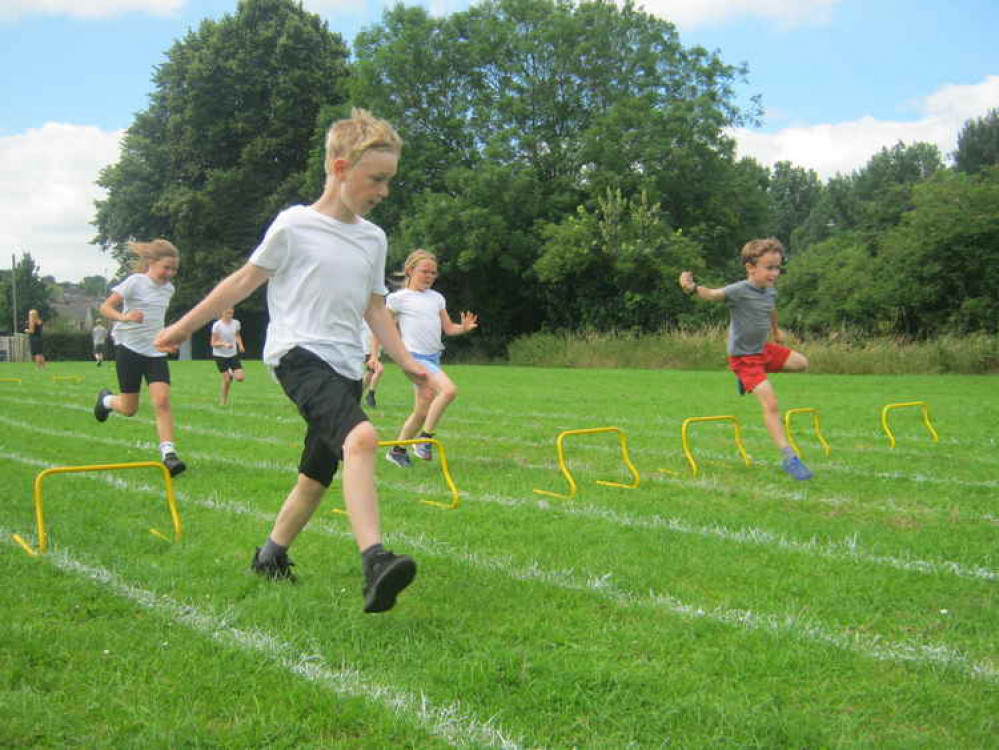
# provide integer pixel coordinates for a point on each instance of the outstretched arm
(232, 290)
(469, 322)
(692, 288)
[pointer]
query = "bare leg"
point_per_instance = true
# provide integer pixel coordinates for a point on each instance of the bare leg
(767, 397)
(159, 394)
(444, 393)
(125, 404)
(422, 400)
(224, 392)
(297, 509)
(359, 493)
(796, 362)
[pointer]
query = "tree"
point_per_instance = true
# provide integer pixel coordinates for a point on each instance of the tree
(225, 141)
(32, 294)
(793, 192)
(978, 144)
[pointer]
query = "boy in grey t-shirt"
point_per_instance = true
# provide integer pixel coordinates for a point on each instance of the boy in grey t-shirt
(753, 307)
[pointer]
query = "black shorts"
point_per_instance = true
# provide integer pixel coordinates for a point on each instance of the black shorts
(36, 345)
(98, 348)
(228, 363)
(330, 405)
(132, 367)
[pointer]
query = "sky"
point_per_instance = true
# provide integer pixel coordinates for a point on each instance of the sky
(839, 80)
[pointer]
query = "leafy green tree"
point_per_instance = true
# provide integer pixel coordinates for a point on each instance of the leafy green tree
(978, 144)
(225, 141)
(32, 294)
(793, 192)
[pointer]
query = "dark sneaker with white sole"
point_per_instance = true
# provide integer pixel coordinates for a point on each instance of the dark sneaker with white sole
(174, 465)
(400, 458)
(384, 577)
(277, 569)
(101, 412)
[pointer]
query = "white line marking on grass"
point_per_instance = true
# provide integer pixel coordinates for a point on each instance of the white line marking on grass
(872, 646)
(451, 721)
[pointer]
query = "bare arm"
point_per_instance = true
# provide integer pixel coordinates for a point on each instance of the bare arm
(469, 322)
(691, 287)
(775, 332)
(232, 290)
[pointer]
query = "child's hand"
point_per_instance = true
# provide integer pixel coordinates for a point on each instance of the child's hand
(686, 280)
(417, 374)
(780, 336)
(134, 316)
(469, 321)
(169, 339)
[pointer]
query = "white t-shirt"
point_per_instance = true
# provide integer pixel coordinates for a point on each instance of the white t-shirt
(324, 273)
(140, 292)
(227, 332)
(419, 315)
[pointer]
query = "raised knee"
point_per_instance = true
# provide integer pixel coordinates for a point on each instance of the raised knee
(362, 439)
(128, 410)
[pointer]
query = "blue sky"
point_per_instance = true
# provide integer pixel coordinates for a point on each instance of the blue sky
(839, 80)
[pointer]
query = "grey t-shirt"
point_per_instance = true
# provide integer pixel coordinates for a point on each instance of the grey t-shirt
(750, 307)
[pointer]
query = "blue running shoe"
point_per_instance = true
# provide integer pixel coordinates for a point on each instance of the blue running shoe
(797, 469)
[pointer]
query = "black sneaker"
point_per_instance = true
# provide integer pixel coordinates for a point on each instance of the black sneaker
(384, 577)
(369, 400)
(101, 412)
(174, 465)
(277, 569)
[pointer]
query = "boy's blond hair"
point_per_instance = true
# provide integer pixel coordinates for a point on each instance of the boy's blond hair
(753, 250)
(350, 139)
(150, 252)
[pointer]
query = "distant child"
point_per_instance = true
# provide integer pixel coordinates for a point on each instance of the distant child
(423, 317)
(35, 343)
(138, 305)
(753, 307)
(100, 339)
(325, 269)
(227, 345)
(373, 369)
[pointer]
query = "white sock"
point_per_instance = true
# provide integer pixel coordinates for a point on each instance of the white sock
(166, 447)
(106, 401)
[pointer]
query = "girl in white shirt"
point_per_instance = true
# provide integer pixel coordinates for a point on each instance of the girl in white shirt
(138, 306)
(422, 316)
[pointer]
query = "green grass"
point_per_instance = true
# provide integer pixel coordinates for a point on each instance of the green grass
(739, 609)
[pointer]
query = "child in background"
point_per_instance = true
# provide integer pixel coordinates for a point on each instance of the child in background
(138, 305)
(99, 334)
(325, 269)
(35, 343)
(373, 369)
(753, 307)
(227, 345)
(422, 316)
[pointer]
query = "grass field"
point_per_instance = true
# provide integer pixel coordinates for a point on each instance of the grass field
(739, 609)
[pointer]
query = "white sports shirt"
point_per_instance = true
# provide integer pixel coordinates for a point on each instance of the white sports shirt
(140, 292)
(419, 315)
(227, 332)
(324, 273)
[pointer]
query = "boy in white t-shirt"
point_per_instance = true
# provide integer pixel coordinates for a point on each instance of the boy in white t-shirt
(227, 345)
(422, 316)
(325, 265)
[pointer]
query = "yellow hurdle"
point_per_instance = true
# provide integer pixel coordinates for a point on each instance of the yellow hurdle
(560, 449)
(67, 379)
(685, 439)
(926, 420)
(10, 380)
(40, 516)
(816, 423)
(442, 458)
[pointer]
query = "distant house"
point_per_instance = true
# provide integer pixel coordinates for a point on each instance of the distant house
(74, 307)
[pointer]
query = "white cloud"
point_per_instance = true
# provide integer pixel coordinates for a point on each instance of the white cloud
(47, 195)
(691, 14)
(11, 9)
(846, 146)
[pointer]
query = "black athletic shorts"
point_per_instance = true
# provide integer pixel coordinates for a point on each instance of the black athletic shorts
(330, 405)
(98, 348)
(36, 346)
(132, 367)
(228, 363)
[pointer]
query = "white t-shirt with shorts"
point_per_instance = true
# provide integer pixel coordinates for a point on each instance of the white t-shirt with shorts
(227, 332)
(140, 292)
(324, 273)
(419, 315)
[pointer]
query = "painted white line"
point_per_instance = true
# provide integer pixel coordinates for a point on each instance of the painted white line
(451, 721)
(791, 625)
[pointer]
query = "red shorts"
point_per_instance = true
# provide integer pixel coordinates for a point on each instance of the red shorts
(752, 369)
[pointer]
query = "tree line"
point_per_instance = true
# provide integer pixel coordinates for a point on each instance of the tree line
(564, 161)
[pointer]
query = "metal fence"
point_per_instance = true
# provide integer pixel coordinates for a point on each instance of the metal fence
(14, 348)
